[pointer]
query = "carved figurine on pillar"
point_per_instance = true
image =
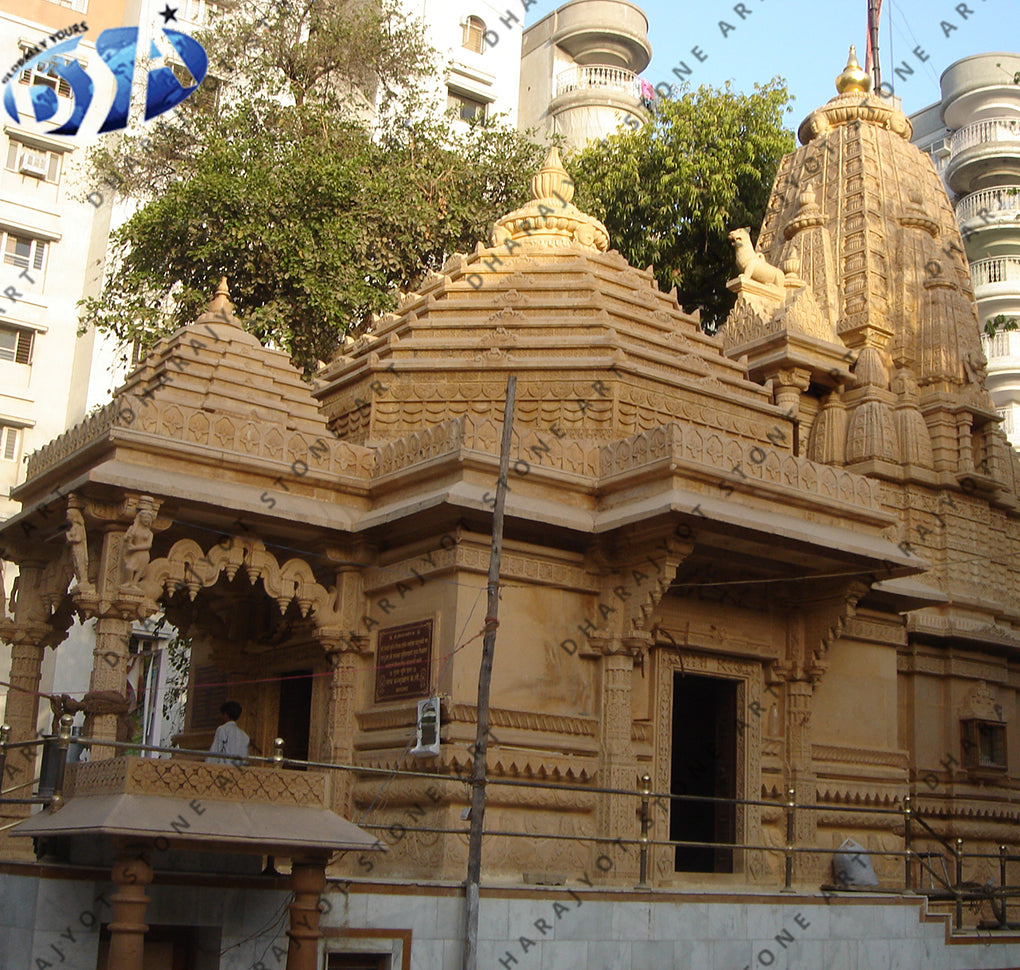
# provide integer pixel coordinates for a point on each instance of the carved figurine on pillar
(137, 544)
(77, 543)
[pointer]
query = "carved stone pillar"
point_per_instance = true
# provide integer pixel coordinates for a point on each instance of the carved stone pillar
(113, 634)
(27, 635)
(22, 711)
(131, 874)
(109, 673)
(307, 881)
(342, 727)
(801, 776)
(617, 814)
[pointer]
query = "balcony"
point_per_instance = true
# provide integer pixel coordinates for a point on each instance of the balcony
(989, 207)
(609, 32)
(983, 151)
(600, 79)
(1001, 269)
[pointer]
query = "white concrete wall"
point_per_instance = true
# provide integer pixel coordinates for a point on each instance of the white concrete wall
(562, 929)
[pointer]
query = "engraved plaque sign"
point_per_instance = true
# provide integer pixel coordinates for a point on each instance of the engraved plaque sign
(404, 661)
(209, 692)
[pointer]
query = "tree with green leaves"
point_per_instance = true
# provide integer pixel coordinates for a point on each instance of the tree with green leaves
(671, 191)
(314, 180)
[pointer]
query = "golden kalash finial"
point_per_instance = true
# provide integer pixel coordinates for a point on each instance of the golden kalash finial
(854, 78)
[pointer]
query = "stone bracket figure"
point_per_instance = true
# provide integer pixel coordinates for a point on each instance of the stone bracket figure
(77, 543)
(137, 544)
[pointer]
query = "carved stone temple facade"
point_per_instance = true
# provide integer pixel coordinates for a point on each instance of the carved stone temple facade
(785, 557)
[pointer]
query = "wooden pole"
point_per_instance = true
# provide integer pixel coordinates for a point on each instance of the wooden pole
(474, 869)
(874, 6)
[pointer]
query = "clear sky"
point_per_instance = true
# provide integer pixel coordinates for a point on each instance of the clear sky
(806, 42)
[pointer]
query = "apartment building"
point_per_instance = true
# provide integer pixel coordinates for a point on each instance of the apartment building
(580, 69)
(973, 137)
(479, 45)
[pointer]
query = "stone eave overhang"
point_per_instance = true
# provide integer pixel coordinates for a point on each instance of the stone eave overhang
(788, 348)
(199, 805)
(769, 526)
(285, 831)
(956, 623)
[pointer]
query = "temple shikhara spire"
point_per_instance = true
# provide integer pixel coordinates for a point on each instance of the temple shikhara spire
(875, 318)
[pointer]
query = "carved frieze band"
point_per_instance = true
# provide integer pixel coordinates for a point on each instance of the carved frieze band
(465, 555)
(195, 779)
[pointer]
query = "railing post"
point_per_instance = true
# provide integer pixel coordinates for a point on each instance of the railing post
(791, 804)
(63, 743)
(908, 849)
(5, 735)
(278, 751)
(1002, 886)
(646, 791)
(959, 884)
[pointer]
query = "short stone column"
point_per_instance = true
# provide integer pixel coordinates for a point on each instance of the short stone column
(131, 875)
(343, 727)
(110, 659)
(307, 880)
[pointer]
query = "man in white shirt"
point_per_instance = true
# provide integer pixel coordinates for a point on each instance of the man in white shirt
(229, 741)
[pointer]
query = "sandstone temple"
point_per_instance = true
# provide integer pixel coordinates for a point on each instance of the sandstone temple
(773, 570)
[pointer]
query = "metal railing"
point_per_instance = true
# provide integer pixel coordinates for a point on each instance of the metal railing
(998, 269)
(592, 76)
(989, 131)
(990, 205)
(950, 888)
(50, 795)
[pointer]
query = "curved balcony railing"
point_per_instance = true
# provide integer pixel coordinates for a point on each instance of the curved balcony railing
(585, 76)
(989, 131)
(990, 205)
(998, 346)
(1000, 269)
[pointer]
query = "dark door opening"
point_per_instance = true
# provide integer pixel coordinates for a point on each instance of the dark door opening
(704, 763)
(295, 713)
(358, 961)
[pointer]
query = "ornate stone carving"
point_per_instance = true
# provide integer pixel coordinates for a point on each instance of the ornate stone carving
(752, 265)
(77, 543)
(195, 779)
(137, 543)
(550, 219)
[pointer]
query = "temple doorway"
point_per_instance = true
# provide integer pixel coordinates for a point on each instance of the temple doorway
(295, 713)
(703, 764)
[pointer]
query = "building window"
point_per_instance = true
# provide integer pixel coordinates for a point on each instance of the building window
(45, 73)
(207, 97)
(24, 252)
(80, 5)
(474, 34)
(465, 108)
(37, 162)
(9, 442)
(16, 344)
(984, 744)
